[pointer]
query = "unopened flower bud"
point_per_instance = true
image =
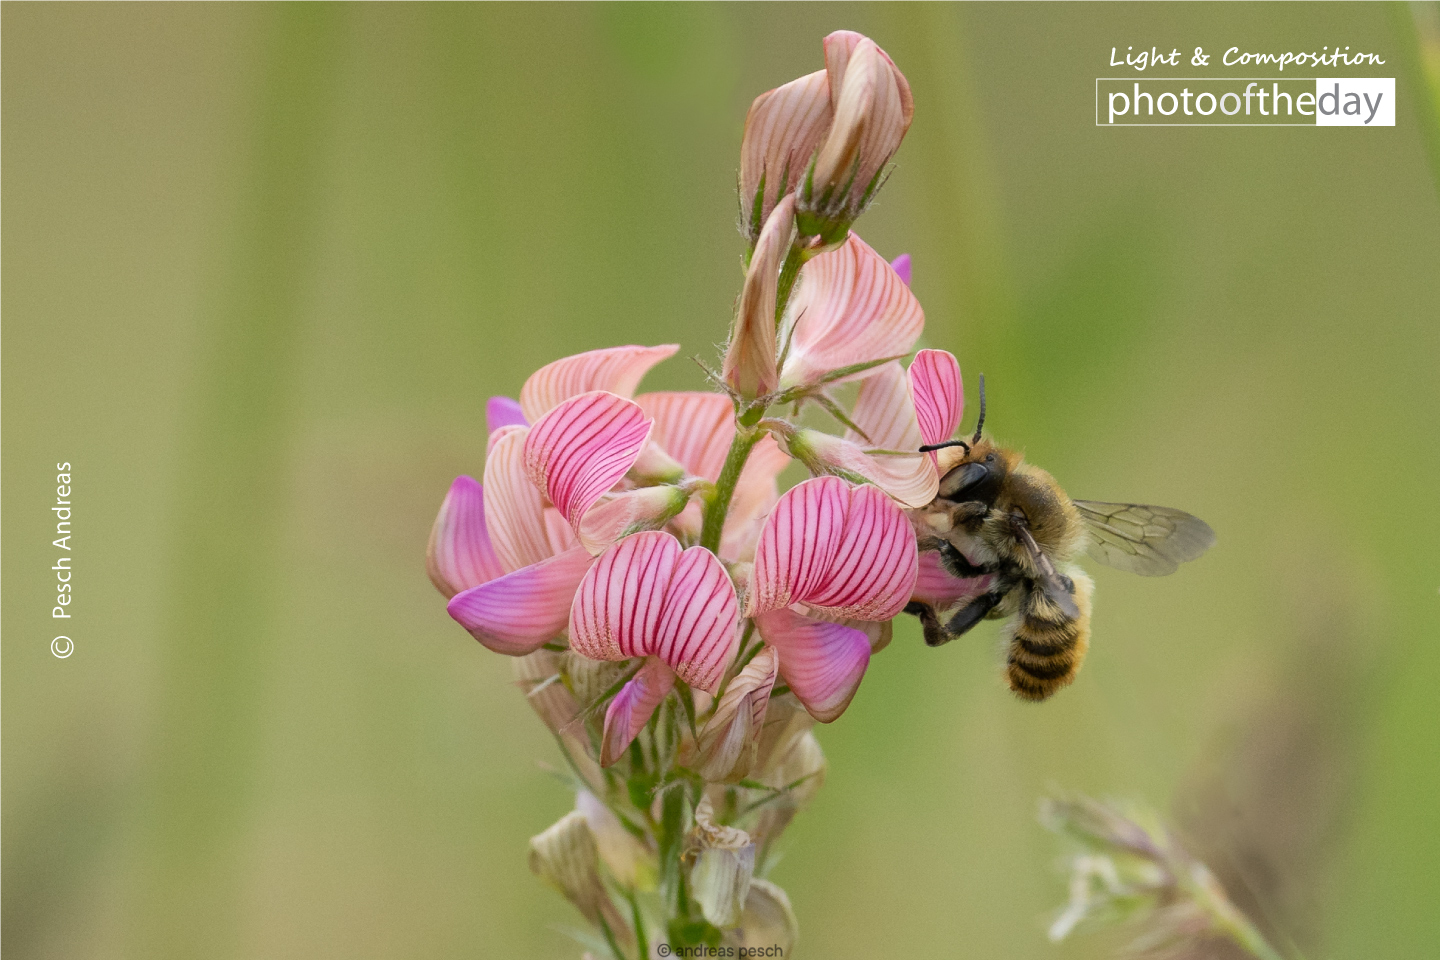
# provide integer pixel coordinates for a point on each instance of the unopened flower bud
(765, 921)
(750, 359)
(729, 740)
(624, 855)
(724, 866)
(567, 858)
(783, 130)
(872, 110)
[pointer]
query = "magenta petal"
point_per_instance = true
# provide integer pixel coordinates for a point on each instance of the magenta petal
(514, 511)
(520, 611)
(632, 708)
(582, 448)
(901, 266)
(797, 544)
(697, 634)
(940, 588)
(503, 412)
(617, 608)
(872, 575)
(614, 369)
(460, 555)
(939, 394)
(822, 662)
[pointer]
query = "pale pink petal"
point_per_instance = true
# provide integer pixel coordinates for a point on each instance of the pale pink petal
(821, 662)
(909, 477)
(885, 411)
(582, 448)
(697, 635)
(849, 307)
(797, 544)
(940, 588)
(614, 369)
(514, 509)
(503, 412)
(521, 611)
(647, 508)
(459, 555)
(632, 708)
(901, 266)
(782, 131)
(872, 574)
(939, 394)
(557, 532)
(872, 107)
(693, 427)
(617, 609)
(750, 357)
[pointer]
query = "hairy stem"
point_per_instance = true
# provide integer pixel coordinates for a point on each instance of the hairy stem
(717, 503)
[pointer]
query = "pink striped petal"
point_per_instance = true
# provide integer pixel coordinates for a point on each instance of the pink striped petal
(850, 307)
(940, 588)
(514, 510)
(797, 544)
(872, 107)
(872, 575)
(901, 266)
(909, 478)
(821, 662)
(632, 708)
(697, 635)
(849, 550)
(750, 357)
(459, 555)
(693, 427)
(885, 410)
(646, 596)
(503, 412)
(523, 610)
(615, 369)
(939, 394)
(582, 448)
(782, 132)
(617, 609)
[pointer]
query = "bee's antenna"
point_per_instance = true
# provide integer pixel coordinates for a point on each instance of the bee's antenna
(941, 446)
(980, 424)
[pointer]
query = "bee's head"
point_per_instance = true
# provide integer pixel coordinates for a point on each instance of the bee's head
(972, 469)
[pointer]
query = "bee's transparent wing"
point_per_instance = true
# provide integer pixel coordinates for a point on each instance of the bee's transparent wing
(1151, 541)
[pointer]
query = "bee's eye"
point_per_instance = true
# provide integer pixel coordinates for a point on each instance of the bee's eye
(989, 458)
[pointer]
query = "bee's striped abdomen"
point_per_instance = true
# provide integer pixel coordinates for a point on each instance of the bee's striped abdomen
(1047, 647)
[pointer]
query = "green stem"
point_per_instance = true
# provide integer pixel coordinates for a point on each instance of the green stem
(717, 504)
(1207, 892)
(789, 273)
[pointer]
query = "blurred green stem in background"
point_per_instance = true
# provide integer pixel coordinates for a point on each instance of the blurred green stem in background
(231, 501)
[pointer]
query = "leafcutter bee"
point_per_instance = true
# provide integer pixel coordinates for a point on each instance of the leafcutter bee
(996, 515)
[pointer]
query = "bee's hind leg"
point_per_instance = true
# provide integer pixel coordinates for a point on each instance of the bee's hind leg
(972, 613)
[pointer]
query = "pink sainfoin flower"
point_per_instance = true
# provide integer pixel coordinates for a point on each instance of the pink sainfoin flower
(681, 623)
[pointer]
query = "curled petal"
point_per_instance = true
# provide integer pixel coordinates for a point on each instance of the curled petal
(617, 370)
(633, 511)
(885, 412)
(632, 708)
(940, 588)
(696, 635)
(901, 266)
(517, 613)
(750, 357)
(646, 596)
(503, 412)
(821, 662)
(728, 743)
(848, 308)
(459, 555)
(514, 510)
(782, 132)
(582, 448)
(908, 477)
(850, 551)
(939, 394)
(693, 427)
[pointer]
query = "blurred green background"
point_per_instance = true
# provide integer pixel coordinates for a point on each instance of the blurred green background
(264, 264)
